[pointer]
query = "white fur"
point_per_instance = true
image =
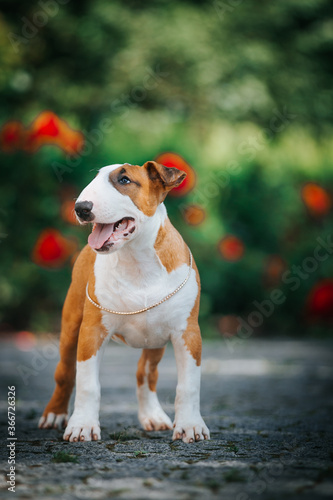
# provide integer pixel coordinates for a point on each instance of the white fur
(109, 205)
(188, 424)
(134, 278)
(151, 415)
(84, 423)
(51, 420)
(127, 280)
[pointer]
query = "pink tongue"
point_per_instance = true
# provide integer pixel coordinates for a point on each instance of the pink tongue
(100, 234)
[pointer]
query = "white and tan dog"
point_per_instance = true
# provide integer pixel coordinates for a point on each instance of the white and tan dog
(137, 283)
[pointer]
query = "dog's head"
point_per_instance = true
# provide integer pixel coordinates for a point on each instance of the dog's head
(121, 198)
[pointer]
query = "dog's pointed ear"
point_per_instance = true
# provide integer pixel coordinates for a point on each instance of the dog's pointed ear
(168, 177)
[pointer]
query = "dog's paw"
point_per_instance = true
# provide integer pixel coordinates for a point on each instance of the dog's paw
(190, 430)
(53, 421)
(156, 420)
(78, 430)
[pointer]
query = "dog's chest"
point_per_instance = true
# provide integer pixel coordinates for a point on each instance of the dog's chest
(120, 290)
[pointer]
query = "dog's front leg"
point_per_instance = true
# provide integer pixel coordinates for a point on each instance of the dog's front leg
(84, 423)
(188, 425)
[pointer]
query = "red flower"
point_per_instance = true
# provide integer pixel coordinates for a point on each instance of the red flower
(52, 250)
(46, 129)
(12, 136)
(175, 160)
(194, 215)
(316, 199)
(274, 268)
(67, 212)
(320, 300)
(49, 129)
(231, 248)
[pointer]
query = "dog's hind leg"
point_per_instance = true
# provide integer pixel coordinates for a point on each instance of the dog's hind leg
(56, 411)
(151, 415)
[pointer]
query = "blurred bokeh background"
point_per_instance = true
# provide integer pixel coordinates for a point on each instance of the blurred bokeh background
(238, 93)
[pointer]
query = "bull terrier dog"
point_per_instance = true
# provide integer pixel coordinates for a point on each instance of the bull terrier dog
(135, 282)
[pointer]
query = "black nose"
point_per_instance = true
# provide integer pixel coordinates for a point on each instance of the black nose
(83, 210)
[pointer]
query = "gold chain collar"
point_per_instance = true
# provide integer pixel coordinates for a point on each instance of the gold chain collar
(123, 313)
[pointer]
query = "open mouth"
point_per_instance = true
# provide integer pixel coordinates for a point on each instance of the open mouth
(104, 236)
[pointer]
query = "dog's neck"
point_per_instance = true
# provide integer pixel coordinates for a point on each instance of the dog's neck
(139, 253)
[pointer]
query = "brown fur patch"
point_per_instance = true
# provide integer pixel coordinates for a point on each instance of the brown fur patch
(173, 252)
(150, 357)
(92, 332)
(170, 247)
(145, 190)
(120, 337)
(192, 335)
(71, 320)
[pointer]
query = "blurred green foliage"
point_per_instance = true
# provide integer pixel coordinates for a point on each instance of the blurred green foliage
(241, 89)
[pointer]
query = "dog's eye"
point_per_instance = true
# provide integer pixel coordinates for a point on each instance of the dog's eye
(124, 180)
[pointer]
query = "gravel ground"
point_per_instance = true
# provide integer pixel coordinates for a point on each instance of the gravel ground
(267, 403)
